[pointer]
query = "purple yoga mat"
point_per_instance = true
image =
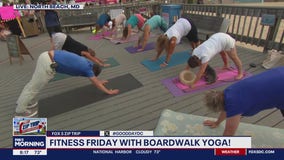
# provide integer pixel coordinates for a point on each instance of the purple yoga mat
(178, 89)
(148, 47)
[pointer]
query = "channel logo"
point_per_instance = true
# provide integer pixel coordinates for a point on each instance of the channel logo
(29, 126)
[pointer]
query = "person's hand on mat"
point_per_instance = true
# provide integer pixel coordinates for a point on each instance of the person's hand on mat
(210, 123)
(113, 91)
(103, 60)
(140, 49)
(106, 65)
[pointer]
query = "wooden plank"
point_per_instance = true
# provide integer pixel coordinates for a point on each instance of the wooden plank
(137, 109)
(272, 119)
(280, 124)
(254, 119)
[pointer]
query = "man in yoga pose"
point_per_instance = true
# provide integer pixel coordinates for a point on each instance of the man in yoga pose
(48, 64)
(246, 98)
(169, 40)
(61, 41)
(218, 43)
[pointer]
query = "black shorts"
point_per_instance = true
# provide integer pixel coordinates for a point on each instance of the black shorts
(74, 46)
(193, 34)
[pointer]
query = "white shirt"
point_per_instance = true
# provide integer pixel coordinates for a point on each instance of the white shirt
(58, 40)
(215, 44)
(180, 29)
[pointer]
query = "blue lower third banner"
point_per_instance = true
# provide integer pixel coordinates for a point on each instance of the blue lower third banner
(151, 154)
(29, 145)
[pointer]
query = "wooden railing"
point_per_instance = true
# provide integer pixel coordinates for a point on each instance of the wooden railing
(245, 24)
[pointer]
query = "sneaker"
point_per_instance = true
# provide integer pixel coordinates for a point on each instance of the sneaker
(28, 113)
(32, 105)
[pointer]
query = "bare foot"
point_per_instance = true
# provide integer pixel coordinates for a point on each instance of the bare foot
(140, 49)
(240, 76)
(163, 65)
(104, 60)
(226, 68)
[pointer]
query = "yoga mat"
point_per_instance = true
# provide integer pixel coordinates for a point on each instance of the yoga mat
(180, 124)
(120, 41)
(132, 38)
(118, 36)
(224, 77)
(85, 95)
(110, 60)
(176, 59)
(100, 35)
(149, 46)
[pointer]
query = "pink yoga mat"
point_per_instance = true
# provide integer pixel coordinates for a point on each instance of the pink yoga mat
(179, 89)
(120, 40)
(100, 35)
(132, 38)
(223, 76)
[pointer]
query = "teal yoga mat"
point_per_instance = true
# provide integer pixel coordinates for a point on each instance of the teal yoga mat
(176, 59)
(110, 60)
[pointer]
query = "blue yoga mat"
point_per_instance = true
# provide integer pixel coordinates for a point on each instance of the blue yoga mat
(176, 59)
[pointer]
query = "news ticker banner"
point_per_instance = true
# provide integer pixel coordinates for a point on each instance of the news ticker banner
(31, 138)
(147, 154)
(48, 6)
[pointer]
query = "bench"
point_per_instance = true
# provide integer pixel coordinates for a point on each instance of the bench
(208, 25)
(75, 21)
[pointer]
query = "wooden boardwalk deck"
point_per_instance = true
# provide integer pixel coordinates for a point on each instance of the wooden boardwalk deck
(138, 109)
